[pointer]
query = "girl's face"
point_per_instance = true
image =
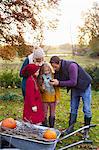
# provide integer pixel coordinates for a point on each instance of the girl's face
(46, 70)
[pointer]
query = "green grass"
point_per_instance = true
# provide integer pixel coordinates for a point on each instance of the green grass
(11, 108)
(62, 117)
(16, 63)
(14, 108)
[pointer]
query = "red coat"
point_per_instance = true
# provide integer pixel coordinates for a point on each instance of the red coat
(32, 99)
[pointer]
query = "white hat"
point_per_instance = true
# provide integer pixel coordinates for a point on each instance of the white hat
(38, 53)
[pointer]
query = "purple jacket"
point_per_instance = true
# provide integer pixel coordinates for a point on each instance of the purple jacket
(72, 75)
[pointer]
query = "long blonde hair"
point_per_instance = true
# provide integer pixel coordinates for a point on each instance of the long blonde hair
(41, 72)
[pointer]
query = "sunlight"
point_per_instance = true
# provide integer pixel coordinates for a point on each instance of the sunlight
(70, 19)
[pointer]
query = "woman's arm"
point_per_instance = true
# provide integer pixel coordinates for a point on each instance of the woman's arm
(26, 61)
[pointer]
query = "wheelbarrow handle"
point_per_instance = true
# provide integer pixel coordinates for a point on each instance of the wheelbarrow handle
(92, 125)
(75, 144)
(88, 141)
(70, 134)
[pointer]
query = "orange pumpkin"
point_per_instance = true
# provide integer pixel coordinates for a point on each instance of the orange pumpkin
(9, 123)
(50, 134)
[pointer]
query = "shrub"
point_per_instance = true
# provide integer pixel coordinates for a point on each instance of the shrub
(10, 96)
(94, 73)
(96, 79)
(94, 54)
(17, 80)
(10, 79)
(6, 78)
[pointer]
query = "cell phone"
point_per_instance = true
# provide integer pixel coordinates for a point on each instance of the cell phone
(51, 81)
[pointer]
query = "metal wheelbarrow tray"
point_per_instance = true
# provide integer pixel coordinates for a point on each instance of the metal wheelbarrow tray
(25, 143)
(38, 143)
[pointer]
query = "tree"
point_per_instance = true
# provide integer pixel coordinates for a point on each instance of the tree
(89, 32)
(94, 45)
(19, 16)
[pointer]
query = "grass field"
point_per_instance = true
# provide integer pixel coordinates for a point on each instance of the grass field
(14, 108)
(16, 63)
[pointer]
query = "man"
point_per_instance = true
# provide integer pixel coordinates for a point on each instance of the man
(71, 75)
(37, 57)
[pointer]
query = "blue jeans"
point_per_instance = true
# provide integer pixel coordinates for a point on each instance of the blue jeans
(76, 94)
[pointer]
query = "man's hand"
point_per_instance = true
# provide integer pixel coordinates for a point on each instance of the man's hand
(54, 82)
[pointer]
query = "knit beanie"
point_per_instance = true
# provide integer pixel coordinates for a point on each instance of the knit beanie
(38, 53)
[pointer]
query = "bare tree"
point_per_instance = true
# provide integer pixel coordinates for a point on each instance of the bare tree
(90, 29)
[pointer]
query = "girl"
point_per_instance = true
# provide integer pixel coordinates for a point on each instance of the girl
(33, 108)
(50, 95)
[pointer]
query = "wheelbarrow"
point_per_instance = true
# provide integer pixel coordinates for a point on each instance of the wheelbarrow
(38, 142)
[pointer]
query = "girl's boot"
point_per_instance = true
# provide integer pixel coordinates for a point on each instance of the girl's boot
(44, 123)
(51, 121)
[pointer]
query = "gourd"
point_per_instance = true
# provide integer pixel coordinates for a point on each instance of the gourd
(9, 123)
(49, 134)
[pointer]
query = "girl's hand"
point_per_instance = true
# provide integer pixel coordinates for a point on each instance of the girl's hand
(57, 102)
(34, 108)
(43, 86)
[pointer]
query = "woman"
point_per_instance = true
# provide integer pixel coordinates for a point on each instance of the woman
(37, 57)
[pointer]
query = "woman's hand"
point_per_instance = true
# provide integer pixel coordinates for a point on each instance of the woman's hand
(54, 82)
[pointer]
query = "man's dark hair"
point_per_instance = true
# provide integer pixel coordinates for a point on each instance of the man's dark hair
(55, 59)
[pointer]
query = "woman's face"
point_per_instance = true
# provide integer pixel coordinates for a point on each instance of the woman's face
(39, 61)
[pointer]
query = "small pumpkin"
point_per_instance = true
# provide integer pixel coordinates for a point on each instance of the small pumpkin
(50, 134)
(9, 123)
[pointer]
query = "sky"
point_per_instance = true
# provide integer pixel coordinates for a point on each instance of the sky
(71, 17)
